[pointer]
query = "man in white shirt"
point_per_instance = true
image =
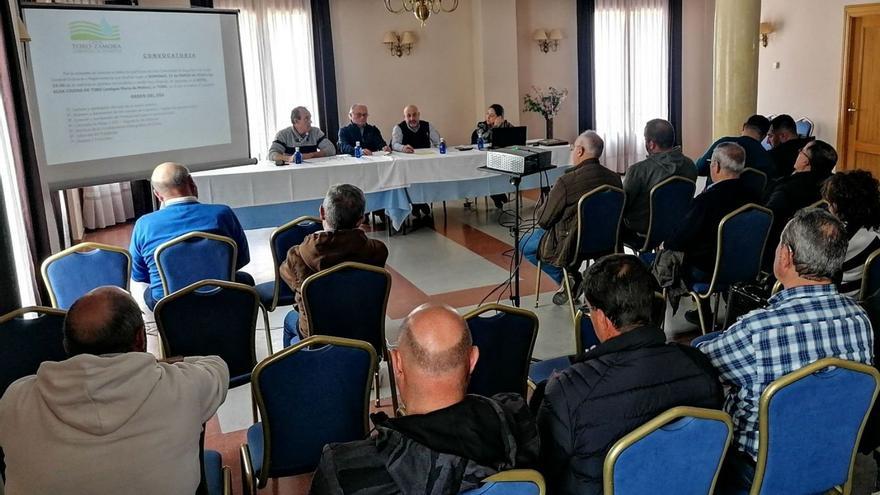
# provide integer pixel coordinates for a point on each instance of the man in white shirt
(110, 418)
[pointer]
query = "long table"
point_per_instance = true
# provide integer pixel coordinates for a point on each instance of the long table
(266, 195)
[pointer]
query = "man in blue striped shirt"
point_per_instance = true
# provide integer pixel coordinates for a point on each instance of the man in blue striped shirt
(807, 321)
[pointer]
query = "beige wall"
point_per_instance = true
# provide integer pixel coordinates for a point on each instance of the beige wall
(808, 45)
(557, 69)
(438, 76)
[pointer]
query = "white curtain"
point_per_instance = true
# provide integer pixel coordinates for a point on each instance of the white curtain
(631, 46)
(279, 64)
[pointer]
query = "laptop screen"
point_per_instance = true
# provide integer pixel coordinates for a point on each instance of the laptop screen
(503, 137)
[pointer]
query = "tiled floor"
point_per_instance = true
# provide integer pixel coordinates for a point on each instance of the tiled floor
(458, 261)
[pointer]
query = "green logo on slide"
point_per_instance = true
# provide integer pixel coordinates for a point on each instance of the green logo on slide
(93, 31)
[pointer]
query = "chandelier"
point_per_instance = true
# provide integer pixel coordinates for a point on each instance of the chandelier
(422, 9)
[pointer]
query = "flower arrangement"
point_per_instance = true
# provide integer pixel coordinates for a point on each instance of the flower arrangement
(546, 103)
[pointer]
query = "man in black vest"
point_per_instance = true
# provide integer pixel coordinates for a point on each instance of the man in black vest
(411, 134)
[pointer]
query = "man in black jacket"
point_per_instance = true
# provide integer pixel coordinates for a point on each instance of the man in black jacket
(359, 131)
(448, 441)
(786, 144)
(628, 379)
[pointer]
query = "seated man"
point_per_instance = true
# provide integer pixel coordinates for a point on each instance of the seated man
(359, 131)
(554, 242)
(494, 120)
(180, 213)
(629, 378)
(311, 141)
(807, 321)
(448, 441)
(110, 418)
(412, 134)
(786, 144)
(664, 161)
(341, 240)
(799, 190)
(754, 131)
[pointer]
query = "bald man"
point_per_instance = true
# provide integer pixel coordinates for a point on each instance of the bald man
(359, 131)
(180, 213)
(447, 441)
(110, 418)
(413, 133)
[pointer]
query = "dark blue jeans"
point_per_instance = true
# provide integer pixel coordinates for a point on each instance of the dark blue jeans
(528, 245)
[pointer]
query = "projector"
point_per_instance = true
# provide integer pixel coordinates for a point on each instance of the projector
(522, 160)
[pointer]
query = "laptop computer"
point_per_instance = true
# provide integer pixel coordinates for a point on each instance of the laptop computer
(503, 137)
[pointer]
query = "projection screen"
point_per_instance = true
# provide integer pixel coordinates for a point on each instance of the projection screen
(116, 90)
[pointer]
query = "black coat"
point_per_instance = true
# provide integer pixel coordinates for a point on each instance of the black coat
(619, 385)
(697, 233)
(785, 154)
(371, 139)
(789, 195)
(439, 453)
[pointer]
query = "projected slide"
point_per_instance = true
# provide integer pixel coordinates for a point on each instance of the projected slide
(109, 84)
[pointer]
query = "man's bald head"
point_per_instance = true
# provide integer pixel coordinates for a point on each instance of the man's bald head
(105, 321)
(172, 180)
(412, 116)
(436, 339)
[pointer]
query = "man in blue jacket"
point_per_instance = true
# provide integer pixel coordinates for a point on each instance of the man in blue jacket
(628, 379)
(754, 131)
(360, 131)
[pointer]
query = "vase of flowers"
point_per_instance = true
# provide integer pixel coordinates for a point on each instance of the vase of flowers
(546, 102)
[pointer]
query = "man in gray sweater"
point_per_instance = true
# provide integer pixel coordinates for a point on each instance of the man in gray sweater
(664, 160)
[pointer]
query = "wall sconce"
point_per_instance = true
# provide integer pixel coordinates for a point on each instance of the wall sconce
(548, 40)
(766, 29)
(398, 44)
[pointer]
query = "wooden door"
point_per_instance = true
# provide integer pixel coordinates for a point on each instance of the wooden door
(859, 132)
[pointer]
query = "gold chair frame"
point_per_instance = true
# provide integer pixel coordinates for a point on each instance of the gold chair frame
(655, 424)
(780, 383)
(386, 355)
(252, 481)
(40, 310)
(85, 246)
(718, 256)
(580, 224)
(863, 291)
(501, 308)
(157, 313)
(523, 475)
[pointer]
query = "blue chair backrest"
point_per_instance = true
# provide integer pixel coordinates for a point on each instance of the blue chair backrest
(310, 395)
(743, 235)
(870, 276)
(72, 273)
(25, 343)
(812, 428)
(681, 457)
(285, 238)
(755, 180)
(804, 127)
(505, 340)
(211, 318)
(348, 300)
(194, 259)
(670, 201)
(505, 488)
(599, 212)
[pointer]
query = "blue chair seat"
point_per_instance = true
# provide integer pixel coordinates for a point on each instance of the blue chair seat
(213, 472)
(542, 370)
(255, 444)
(266, 290)
(648, 258)
(505, 488)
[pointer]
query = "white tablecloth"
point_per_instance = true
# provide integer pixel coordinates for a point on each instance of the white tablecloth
(268, 184)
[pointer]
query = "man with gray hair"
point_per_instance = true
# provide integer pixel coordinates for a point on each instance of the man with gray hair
(448, 441)
(110, 418)
(359, 131)
(311, 141)
(341, 240)
(805, 322)
(179, 213)
(553, 242)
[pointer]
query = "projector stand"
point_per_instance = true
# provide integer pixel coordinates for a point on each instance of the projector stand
(515, 180)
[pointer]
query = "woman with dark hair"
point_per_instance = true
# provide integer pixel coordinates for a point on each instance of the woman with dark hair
(854, 197)
(494, 119)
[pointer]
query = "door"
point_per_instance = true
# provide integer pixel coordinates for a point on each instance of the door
(859, 133)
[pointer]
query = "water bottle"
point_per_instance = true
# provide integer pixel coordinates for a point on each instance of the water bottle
(442, 146)
(297, 156)
(480, 143)
(357, 149)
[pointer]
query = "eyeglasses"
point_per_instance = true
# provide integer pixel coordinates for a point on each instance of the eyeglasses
(359, 114)
(804, 152)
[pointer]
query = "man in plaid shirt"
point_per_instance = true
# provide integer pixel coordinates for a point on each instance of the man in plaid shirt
(805, 322)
